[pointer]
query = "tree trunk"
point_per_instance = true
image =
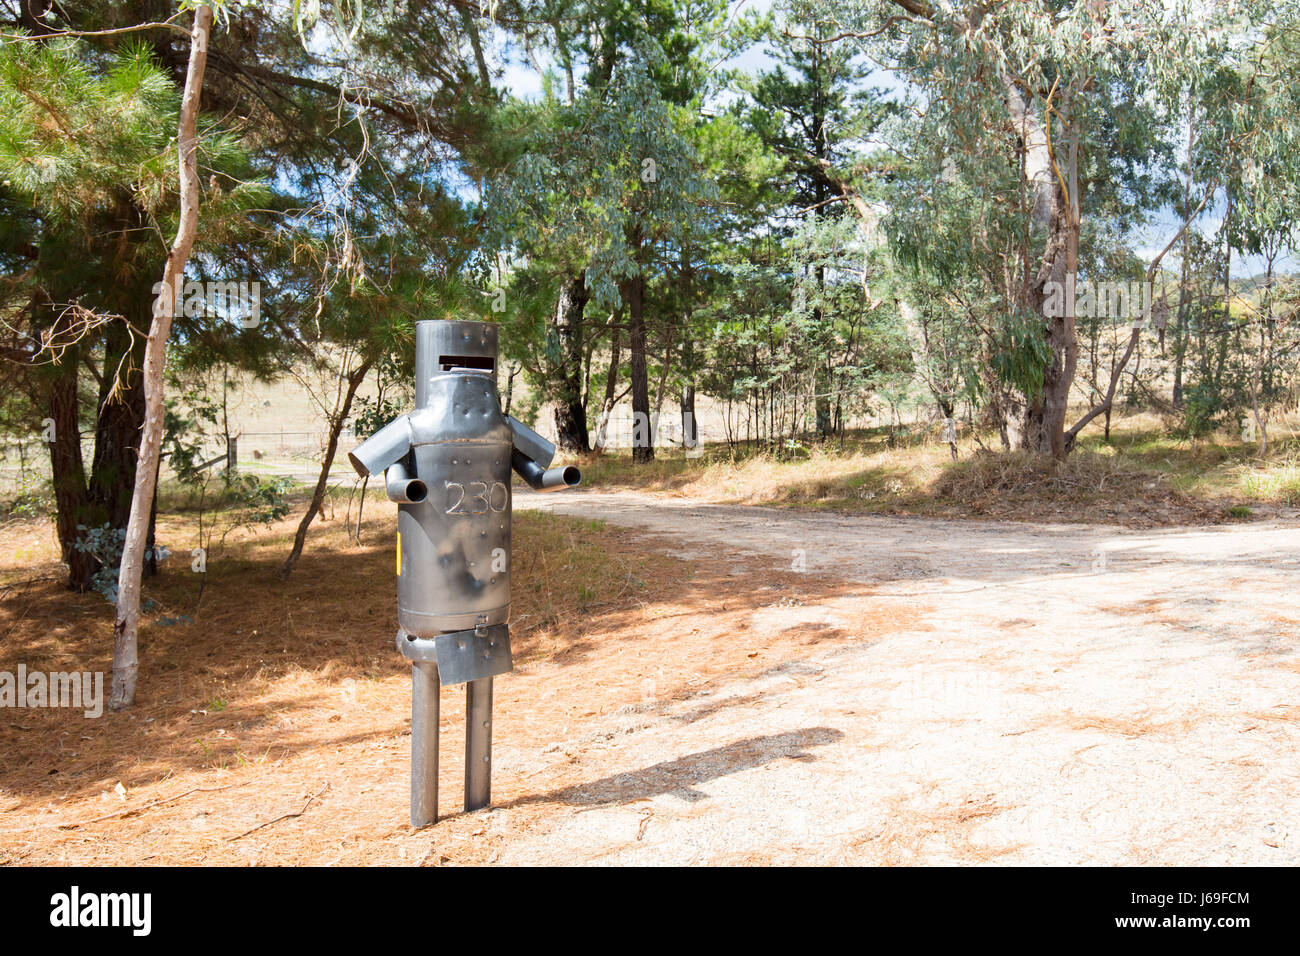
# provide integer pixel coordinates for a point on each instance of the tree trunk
(126, 627)
(611, 388)
(1262, 357)
(946, 410)
(512, 369)
(690, 428)
(120, 404)
(151, 542)
(570, 410)
(117, 429)
(821, 390)
(1037, 422)
(68, 470)
(1060, 261)
(643, 449)
(337, 421)
(1180, 331)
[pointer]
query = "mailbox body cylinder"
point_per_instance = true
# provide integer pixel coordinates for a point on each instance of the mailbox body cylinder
(454, 546)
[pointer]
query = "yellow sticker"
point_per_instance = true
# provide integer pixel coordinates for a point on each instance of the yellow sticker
(399, 554)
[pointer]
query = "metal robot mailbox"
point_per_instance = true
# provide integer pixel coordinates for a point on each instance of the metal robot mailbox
(448, 467)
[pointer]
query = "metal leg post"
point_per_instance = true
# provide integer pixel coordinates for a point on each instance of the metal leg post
(478, 743)
(424, 743)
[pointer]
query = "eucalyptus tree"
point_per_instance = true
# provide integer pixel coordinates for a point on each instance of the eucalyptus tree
(1262, 185)
(1057, 111)
(592, 190)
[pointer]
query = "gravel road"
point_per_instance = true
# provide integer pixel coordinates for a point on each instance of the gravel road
(1075, 694)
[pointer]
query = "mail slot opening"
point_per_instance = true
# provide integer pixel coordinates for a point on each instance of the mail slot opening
(481, 363)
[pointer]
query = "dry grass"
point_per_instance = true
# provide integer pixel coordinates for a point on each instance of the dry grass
(1087, 486)
(907, 834)
(1098, 486)
(1273, 481)
(1130, 726)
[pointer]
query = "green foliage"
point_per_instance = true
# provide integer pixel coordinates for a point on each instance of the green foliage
(593, 179)
(371, 413)
(105, 543)
(186, 432)
(70, 138)
(32, 500)
(256, 500)
(1203, 410)
(74, 136)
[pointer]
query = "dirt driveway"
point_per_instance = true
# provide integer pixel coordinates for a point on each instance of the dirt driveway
(779, 687)
(1073, 695)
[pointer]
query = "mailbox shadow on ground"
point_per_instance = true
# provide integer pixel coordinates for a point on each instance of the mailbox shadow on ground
(681, 776)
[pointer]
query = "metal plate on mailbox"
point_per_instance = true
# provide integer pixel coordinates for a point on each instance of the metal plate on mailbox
(472, 655)
(462, 656)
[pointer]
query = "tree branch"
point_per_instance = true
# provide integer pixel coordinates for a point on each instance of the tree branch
(1118, 371)
(170, 24)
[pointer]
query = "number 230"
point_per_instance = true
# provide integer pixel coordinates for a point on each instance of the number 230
(481, 497)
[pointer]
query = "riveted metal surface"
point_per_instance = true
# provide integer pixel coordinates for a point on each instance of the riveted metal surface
(435, 339)
(474, 655)
(462, 655)
(456, 542)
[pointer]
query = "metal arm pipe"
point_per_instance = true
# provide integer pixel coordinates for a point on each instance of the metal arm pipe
(533, 445)
(382, 448)
(401, 487)
(544, 479)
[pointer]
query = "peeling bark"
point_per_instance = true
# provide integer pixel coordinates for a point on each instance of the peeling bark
(126, 627)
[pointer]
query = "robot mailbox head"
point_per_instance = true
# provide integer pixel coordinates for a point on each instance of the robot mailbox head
(445, 346)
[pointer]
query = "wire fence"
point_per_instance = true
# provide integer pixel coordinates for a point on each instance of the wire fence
(25, 461)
